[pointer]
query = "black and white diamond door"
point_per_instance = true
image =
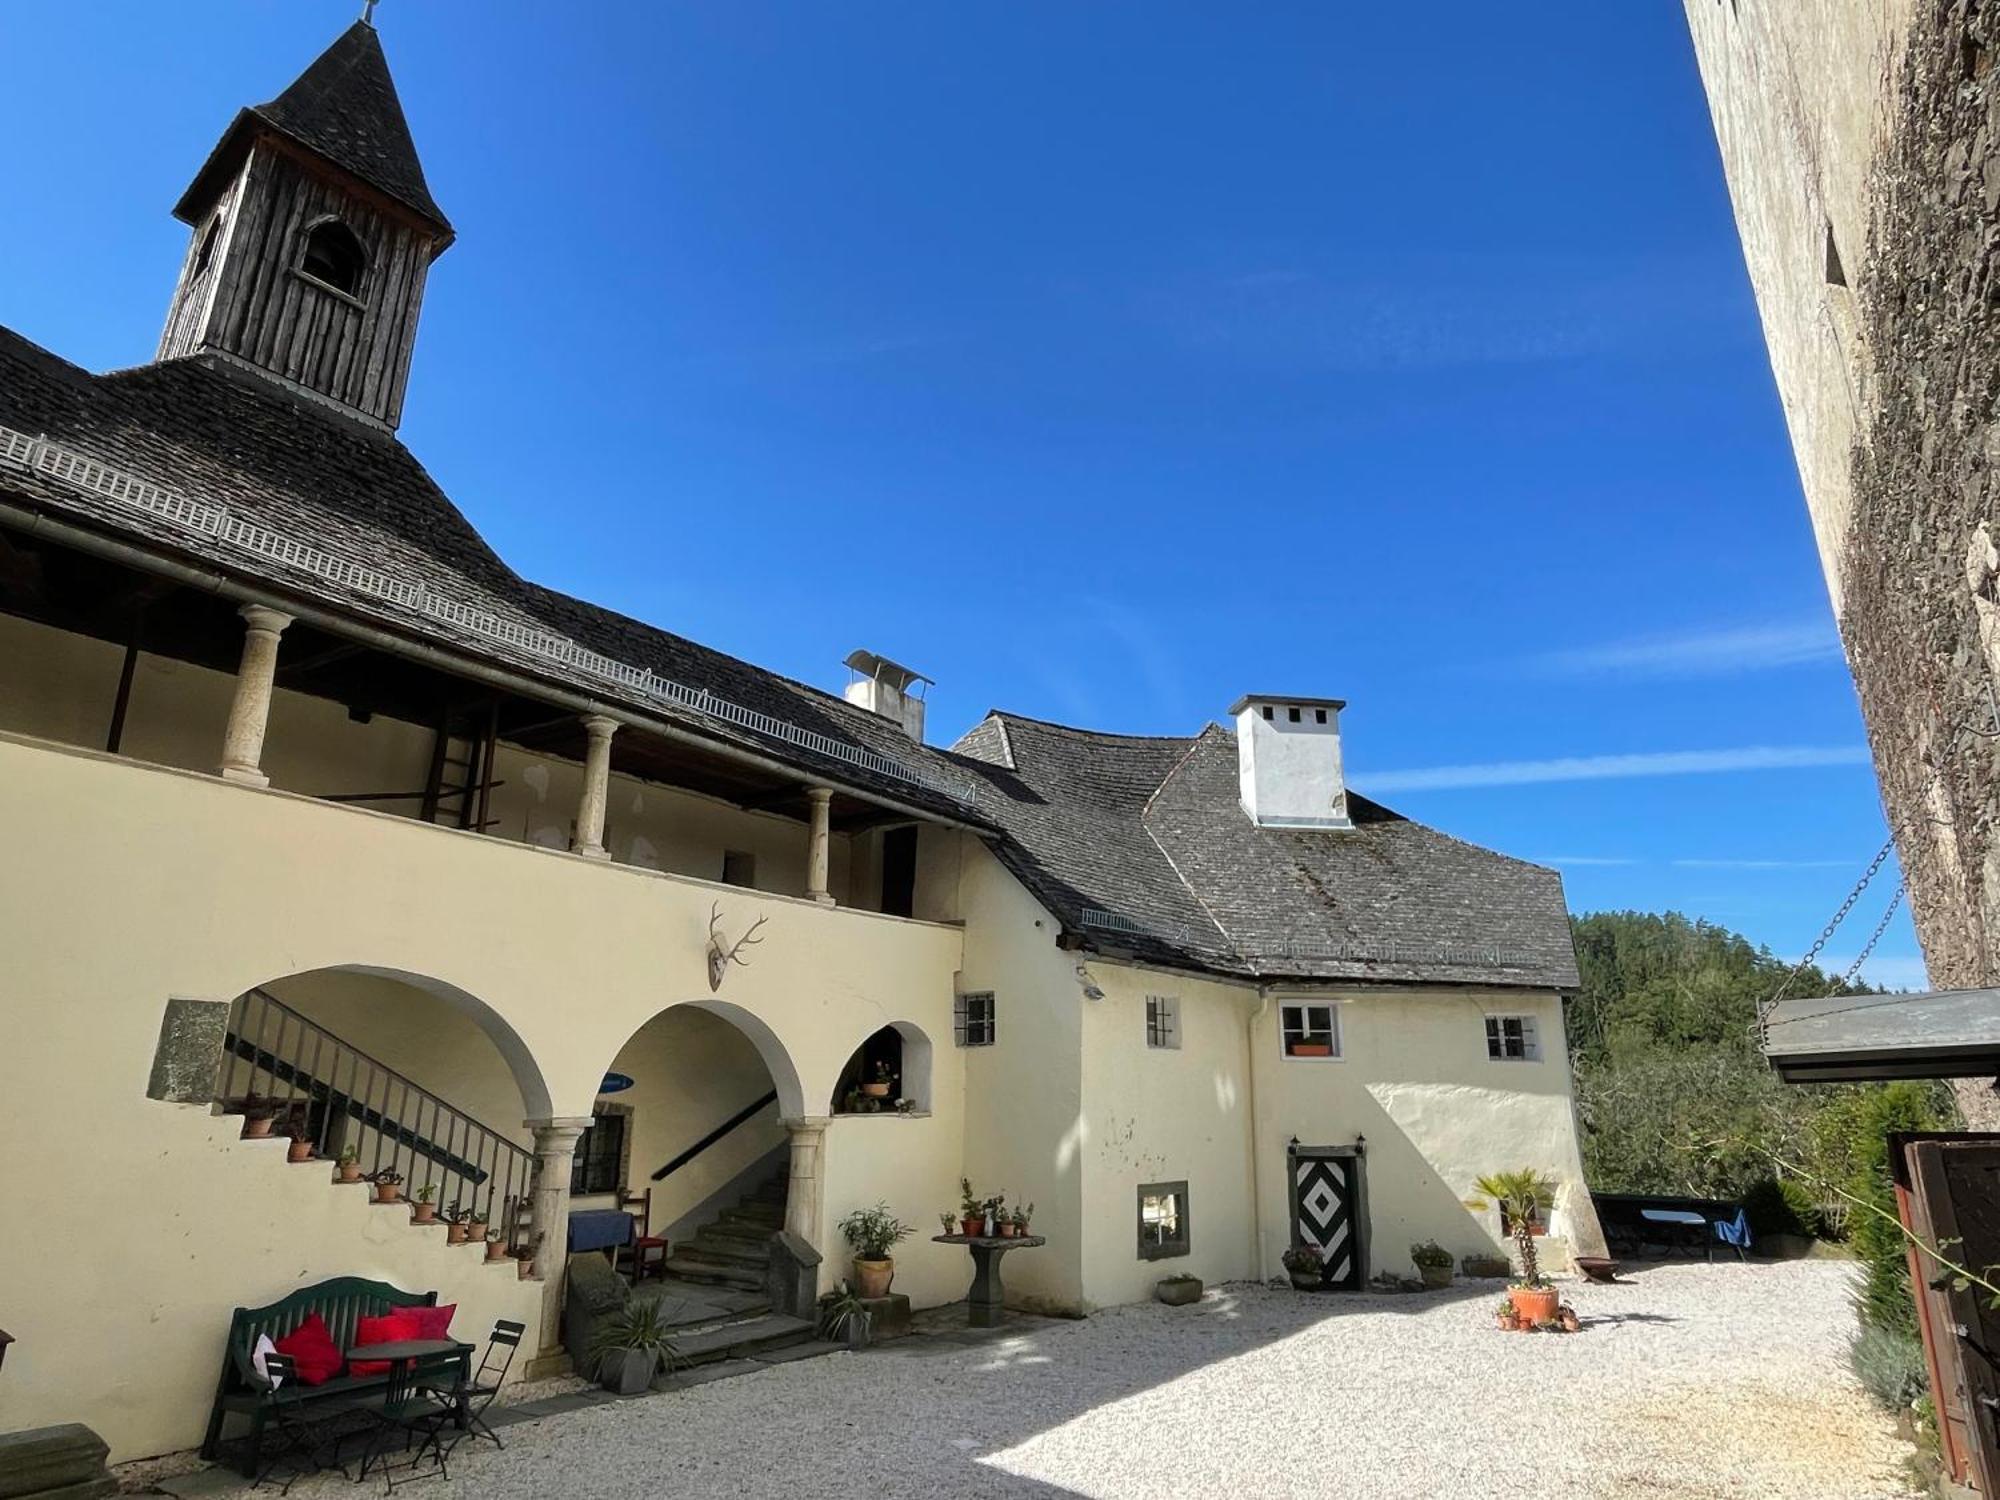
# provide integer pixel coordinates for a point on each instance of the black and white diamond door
(1327, 1212)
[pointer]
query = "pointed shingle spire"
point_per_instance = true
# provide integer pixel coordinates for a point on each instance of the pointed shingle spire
(343, 108)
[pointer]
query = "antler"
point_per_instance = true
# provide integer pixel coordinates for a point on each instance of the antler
(748, 939)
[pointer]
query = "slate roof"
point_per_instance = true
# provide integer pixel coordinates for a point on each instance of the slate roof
(207, 431)
(1142, 844)
(344, 107)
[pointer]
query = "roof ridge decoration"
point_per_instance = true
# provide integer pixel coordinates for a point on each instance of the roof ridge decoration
(79, 471)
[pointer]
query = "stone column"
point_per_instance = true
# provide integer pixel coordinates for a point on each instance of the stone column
(804, 1193)
(818, 844)
(596, 788)
(250, 709)
(555, 1149)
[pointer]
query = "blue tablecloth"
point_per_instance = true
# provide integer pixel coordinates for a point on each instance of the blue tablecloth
(600, 1229)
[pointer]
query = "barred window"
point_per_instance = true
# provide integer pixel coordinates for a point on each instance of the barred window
(600, 1157)
(973, 1021)
(1163, 1021)
(1512, 1039)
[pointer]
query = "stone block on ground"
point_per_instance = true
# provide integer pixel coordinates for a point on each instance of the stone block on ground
(66, 1459)
(888, 1317)
(594, 1292)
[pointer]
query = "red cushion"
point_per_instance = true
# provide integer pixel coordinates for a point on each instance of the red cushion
(392, 1328)
(433, 1322)
(314, 1354)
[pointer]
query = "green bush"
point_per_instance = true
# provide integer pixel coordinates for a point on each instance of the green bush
(1890, 1366)
(1781, 1207)
(1864, 1121)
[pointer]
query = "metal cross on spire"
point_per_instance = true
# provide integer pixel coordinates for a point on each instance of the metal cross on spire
(368, 12)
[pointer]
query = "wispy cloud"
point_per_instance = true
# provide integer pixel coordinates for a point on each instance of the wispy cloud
(1765, 864)
(1615, 767)
(1700, 653)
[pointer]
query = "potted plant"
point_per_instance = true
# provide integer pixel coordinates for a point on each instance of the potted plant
(475, 1226)
(388, 1186)
(524, 1264)
(844, 1318)
(348, 1164)
(631, 1346)
(1178, 1291)
(1023, 1216)
(301, 1148)
(1521, 1195)
(496, 1245)
(455, 1226)
(990, 1214)
(871, 1233)
(971, 1212)
(259, 1114)
(1304, 1263)
(948, 1222)
(1433, 1264)
(877, 1086)
(424, 1209)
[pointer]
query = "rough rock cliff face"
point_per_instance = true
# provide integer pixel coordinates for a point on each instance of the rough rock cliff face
(1919, 569)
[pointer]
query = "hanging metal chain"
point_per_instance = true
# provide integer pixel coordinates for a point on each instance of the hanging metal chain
(1875, 936)
(1874, 869)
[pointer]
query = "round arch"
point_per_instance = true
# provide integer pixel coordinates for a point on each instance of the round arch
(521, 1064)
(903, 1049)
(770, 1047)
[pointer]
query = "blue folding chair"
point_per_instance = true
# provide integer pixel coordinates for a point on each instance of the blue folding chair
(1735, 1233)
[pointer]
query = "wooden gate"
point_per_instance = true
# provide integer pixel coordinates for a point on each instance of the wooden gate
(1948, 1190)
(1329, 1210)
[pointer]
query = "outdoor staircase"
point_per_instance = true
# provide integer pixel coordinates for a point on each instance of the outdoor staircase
(734, 1248)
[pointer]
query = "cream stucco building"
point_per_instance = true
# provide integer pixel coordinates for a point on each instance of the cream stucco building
(316, 809)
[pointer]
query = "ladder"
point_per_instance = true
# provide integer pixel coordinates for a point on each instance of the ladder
(458, 791)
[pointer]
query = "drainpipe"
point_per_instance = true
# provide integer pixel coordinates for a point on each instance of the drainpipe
(1256, 1176)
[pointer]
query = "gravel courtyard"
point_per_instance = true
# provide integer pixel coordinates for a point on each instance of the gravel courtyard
(1689, 1380)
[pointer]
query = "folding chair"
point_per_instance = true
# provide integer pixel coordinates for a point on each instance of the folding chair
(297, 1449)
(471, 1396)
(414, 1409)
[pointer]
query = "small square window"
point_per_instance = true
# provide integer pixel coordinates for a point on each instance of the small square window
(1310, 1030)
(1269, 712)
(1319, 716)
(739, 867)
(1512, 1039)
(1163, 1021)
(1163, 1220)
(1292, 714)
(973, 1020)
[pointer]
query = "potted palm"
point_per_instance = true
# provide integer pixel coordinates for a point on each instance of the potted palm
(630, 1347)
(871, 1233)
(1433, 1263)
(1521, 1196)
(844, 1318)
(1304, 1263)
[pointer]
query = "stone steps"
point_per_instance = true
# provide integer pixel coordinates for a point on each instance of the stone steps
(737, 1339)
(714, 1272)
(752, 1254)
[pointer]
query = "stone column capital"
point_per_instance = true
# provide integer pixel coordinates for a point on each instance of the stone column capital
(806, 1124)
(556, 1126)
(598, 727)
(263, 617)
(820, 795)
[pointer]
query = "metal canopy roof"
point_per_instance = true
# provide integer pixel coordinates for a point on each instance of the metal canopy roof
(1858, 1038)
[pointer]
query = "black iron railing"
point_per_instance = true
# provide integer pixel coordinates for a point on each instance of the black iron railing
(715, 1135)
(324, 1090)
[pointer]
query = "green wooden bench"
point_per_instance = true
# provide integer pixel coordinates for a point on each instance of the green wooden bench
(342, 1302)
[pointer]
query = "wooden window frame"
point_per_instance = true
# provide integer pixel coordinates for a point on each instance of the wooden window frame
(1527, 1036)
(1304, 1032)
(971, 1028)
(1152, 1246)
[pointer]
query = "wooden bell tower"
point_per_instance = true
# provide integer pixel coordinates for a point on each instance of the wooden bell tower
(313, 233)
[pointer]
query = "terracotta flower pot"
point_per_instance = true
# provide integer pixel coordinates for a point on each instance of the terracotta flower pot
(875, 1090)
(454, 1234)
(1311, 1049)
(299, 1151)
(496, 1249)
(872, 1277)
(423, 1213)
(350, 1171)
(527, 1268)
(475, 1229)
(257, 1129)
(1007, 1229)
(970, 1228)
(388, 1192)
(1533, 1305)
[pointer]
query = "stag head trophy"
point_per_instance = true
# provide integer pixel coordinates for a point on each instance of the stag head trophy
(721, 955)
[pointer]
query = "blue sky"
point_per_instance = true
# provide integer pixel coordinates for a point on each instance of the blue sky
(1104, 362)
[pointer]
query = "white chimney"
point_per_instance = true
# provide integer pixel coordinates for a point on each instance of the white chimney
(883, 687)
(1288, 761)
